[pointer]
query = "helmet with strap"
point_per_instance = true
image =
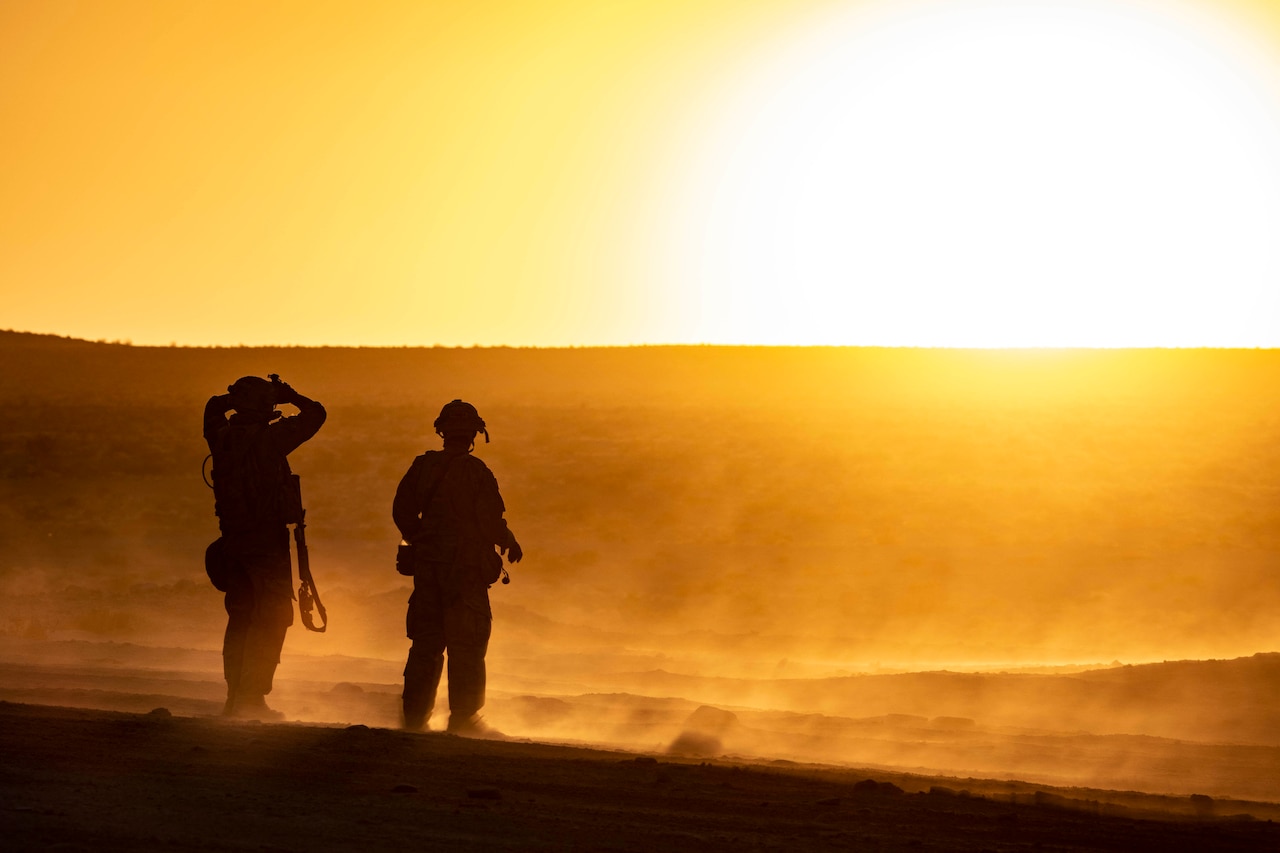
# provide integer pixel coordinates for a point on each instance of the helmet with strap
(459, 418)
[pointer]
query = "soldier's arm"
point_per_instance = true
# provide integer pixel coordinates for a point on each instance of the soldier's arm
(291, 432)
(493, 527)
(215, 415)
(513, 550)
(404, 509)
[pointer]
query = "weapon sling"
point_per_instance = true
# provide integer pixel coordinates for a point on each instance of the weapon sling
(307, 592)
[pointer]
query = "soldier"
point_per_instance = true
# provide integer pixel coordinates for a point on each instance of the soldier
(251, 487)
(449, 512)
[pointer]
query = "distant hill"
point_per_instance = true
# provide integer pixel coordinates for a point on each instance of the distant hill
(1232, 701)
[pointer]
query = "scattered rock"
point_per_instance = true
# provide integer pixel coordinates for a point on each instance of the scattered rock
(1203, 804)
(871, 786)
(711, 720)
(159, 712)
(704, 733)
(537, 711)
(952, 723)
(358, 727)
(645, 759)
(484, 793)
(405, 789)
(346, 688)
(696, 745)
(829, 801)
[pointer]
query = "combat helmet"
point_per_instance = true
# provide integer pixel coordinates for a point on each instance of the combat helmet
(459, 417)
(252, 395)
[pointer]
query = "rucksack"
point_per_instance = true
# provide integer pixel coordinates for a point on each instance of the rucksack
(250, 479)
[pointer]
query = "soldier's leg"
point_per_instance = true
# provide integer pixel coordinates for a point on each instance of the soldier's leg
(421, 681)
(263, 643)
(422, 670)
(239, 605)
(467, 632)
(270, 572)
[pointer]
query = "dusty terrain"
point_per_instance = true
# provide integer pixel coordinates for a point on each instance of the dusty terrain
(754, 579)
(98, 780)
(117, 746)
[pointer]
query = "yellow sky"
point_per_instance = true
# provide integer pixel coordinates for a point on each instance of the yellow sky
(576, 172)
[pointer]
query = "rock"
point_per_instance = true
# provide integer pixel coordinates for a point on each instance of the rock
(1203, 805)
(696, 745)
(346, 688)
(711, 720)
(871, 786)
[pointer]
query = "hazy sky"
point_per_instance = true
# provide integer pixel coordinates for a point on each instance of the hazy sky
(575, 172)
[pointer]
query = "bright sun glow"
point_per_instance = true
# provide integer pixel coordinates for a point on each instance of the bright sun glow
(993, 174)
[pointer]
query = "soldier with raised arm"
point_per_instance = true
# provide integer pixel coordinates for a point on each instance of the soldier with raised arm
(251, 561)
(450, 515)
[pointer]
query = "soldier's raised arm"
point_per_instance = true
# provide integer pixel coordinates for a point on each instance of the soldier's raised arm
(289, 433)
(215, 414)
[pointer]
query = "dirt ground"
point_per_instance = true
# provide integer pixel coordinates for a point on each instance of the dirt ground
(81, 779)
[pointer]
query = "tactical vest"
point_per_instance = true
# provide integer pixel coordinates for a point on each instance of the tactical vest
(251, 480)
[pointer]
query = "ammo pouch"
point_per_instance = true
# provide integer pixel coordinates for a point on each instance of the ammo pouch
(291, 500)
(411, 558)
(490, 566)
(217, 565)
(407, 559)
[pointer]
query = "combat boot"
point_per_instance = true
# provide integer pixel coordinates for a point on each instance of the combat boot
(473, 726)
(252, 707)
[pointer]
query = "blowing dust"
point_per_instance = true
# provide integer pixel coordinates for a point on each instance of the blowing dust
(823, 555)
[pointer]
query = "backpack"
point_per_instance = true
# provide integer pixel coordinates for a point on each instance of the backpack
(251, 480)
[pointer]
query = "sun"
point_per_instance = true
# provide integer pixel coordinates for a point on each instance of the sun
(991, 174)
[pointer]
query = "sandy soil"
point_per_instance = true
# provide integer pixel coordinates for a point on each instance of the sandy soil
(82, 779)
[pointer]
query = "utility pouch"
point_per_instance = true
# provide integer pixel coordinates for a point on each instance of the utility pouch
(217, 565)
(490, 566)
(291, 500)
(407, 559)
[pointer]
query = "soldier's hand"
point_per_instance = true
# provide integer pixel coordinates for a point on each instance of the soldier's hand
(284, 391)
(514, 553)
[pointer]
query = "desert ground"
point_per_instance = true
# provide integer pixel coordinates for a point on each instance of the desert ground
(76, 779)
(798, 599)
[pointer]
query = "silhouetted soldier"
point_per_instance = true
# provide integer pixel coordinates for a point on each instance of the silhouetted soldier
(449, 511)
(253, 501)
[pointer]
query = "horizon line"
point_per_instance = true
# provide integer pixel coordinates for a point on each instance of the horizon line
(127, 342)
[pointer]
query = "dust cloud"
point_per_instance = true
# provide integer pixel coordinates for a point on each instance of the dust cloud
(902, 557)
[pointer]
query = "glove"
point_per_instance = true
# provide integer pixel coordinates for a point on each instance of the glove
(284, 391)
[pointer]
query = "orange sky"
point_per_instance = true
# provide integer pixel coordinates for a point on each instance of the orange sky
(570, 172)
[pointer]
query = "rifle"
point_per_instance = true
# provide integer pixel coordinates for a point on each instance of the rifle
(307, 592)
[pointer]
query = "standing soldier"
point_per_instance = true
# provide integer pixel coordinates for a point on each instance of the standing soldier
(254, 501)
(449, 513)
